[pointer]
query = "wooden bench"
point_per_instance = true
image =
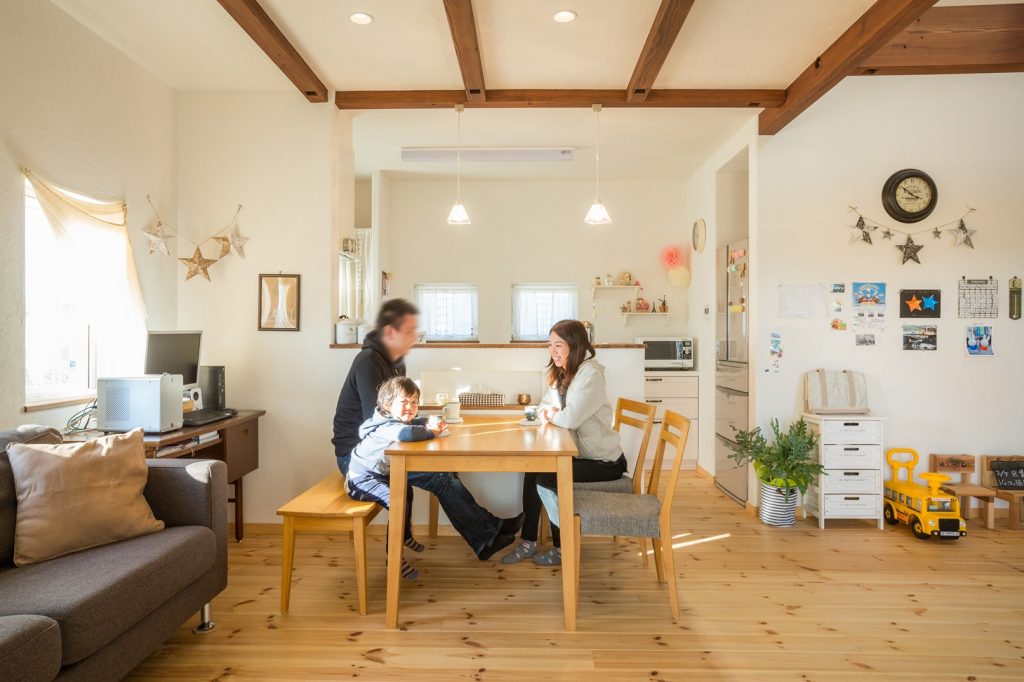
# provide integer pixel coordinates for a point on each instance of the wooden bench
(964, 490)
(1013, 497)
(326, 508)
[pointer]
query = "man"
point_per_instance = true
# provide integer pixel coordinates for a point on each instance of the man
(382, 357)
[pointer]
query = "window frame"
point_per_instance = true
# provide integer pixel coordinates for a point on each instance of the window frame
(517, 287)
(427, 337)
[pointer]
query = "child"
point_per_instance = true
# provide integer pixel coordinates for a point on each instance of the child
(369, 473)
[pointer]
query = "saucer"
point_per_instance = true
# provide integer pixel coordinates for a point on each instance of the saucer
(443, 434)
(527, 422)
(457, 420)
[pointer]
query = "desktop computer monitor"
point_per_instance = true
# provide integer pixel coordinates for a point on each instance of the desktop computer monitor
(174, 353)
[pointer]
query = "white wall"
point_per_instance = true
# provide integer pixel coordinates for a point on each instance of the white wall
(80, 114)
(702, 201)
(964, 131)
(534, 232)
(273, 153)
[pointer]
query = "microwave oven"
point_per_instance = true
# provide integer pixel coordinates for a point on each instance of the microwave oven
(667, 352)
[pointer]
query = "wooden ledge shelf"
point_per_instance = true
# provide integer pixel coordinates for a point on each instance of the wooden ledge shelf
(475, 346)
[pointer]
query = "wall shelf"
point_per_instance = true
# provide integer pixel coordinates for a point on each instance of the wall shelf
(646, 314)
(614, 286)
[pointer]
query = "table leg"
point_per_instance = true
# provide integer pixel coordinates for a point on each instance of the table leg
(396, 514)
(567, 525)
(239, 530)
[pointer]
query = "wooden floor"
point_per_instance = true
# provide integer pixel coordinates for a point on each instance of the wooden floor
(759, 603)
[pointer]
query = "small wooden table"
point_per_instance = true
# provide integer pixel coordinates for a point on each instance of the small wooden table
(236, 444)
(487, 443)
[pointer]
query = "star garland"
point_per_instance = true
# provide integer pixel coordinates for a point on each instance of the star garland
(861, 232)
(161, 233)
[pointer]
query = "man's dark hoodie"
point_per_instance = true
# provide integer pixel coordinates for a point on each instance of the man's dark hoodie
(371, 368)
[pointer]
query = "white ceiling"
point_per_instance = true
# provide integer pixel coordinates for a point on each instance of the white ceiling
(195, 45)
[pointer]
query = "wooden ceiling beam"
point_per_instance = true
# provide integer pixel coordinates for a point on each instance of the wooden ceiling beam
(882, 22)
(265, 33)
(540, 99)
(664, 30)
(965, 39)
(467, 47)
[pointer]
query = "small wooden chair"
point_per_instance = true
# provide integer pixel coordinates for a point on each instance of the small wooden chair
(1013, 497)
(326, 508)
(965, 490)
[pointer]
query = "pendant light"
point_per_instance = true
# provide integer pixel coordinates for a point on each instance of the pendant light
(458, 214)
(598, 214)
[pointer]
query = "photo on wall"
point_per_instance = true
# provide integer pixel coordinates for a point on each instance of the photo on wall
(868, 294)
(978, 341)
(279, 303)
(920, 337)
(915, 303)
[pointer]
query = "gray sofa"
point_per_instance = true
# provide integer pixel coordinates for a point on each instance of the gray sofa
(96, 614)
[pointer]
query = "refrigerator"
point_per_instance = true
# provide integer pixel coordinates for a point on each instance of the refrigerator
(732, 286)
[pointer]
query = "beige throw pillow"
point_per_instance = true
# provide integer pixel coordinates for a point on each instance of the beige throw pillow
(79, 495)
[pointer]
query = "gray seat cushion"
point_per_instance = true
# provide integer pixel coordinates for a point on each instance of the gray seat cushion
(619, 485)
(98, 594)
(28, 433)
(603, 513)
(29, 648)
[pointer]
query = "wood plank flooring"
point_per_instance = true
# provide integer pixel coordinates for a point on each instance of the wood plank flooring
(758, 603)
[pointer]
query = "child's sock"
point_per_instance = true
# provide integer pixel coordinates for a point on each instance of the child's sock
(408, 572)
(412, 544)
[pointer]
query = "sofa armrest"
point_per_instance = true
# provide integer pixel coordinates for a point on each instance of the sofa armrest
(190, 492)
(29, 648)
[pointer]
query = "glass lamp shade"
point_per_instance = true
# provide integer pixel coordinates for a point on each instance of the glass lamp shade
(597, 215)
(458, 215)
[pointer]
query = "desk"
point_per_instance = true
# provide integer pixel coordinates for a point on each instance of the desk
(487, 443)
(237, 445)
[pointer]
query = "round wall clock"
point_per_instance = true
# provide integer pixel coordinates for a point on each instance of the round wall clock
(909, 195)
(700, 235)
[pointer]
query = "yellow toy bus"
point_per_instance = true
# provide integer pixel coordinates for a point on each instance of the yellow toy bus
(928, 510)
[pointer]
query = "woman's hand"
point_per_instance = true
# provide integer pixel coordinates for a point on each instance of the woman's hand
(547, 413)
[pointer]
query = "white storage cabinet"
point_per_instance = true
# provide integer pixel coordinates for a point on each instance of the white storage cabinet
(850, 449)
(678, 392)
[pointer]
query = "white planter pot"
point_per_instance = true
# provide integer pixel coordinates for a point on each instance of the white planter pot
(774, 510)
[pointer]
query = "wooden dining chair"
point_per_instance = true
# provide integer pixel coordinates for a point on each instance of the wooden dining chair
(641, 417)
(647, 515)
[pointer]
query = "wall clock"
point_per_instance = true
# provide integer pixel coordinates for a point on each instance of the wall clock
(700, 235)
(909, 195)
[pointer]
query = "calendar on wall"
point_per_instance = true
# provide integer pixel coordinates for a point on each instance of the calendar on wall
(978, 297)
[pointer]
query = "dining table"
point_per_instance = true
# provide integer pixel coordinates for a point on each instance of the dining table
(486, 443)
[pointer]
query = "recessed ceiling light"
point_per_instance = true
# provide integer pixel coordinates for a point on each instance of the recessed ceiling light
(361, 18)
(564, 16)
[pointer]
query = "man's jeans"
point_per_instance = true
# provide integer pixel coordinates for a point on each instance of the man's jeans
(475, 524)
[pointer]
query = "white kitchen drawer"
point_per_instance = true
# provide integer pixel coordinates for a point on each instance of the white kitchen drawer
(852, 506)
(851, 456)
(688, 407)
(670, 386)
(851, 481)
(851, 430)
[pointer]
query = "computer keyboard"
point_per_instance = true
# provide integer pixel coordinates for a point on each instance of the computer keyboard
(205, 416)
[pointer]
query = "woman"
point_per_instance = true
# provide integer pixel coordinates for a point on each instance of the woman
(576, 400)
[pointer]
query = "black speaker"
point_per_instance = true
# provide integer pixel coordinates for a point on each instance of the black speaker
(211, 381)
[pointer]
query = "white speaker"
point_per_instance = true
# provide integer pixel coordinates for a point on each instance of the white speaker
(152, 402)
(195, 395)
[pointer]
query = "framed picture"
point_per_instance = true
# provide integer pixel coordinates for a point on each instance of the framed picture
(279, 303)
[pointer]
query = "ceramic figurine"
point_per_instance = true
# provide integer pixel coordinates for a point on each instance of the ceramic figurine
(642, 305)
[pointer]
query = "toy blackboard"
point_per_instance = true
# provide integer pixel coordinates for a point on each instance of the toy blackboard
(1009, 475)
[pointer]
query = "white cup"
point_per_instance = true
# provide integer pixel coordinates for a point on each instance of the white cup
(441, 398)
(451, 410)
(433, 420)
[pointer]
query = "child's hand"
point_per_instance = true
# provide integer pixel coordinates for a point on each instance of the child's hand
(436, 425)
(547, 413)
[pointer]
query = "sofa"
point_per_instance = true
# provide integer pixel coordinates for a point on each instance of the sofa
(97, 613)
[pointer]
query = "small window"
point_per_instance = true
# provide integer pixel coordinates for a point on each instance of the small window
(536, 307)
(448, 312)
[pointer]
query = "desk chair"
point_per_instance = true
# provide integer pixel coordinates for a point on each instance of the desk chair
(965, 490)
(1013, 497)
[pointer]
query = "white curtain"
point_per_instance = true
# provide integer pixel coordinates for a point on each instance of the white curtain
(448, 312)
(93, 254)
(536, 307)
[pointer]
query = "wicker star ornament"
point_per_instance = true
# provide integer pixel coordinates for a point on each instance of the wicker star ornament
(197, 265)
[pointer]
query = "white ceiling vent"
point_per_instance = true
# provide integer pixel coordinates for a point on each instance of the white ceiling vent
(487, 154)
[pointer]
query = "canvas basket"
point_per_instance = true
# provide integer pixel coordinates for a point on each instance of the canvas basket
(832, 392)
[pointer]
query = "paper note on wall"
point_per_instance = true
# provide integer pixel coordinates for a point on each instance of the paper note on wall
(805, 301)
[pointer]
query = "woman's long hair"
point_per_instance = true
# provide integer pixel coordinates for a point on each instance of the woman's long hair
(575, 335)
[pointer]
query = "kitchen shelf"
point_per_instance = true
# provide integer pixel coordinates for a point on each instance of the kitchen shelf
(644, 314)
(615, 286)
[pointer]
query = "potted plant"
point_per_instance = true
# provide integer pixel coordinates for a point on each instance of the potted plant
(783, 467)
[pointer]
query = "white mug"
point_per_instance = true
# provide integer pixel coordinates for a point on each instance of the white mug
(441, 398)
(451, 410)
